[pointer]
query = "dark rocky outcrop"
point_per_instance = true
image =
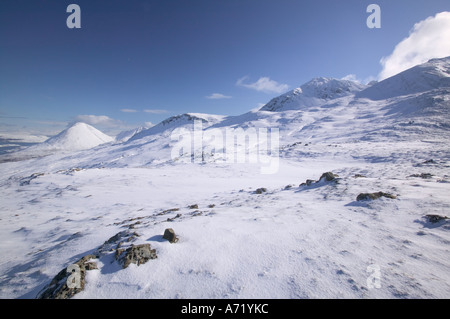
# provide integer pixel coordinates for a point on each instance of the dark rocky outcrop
(170, 235)
(136, 254)
(26, 180)
(373, 196)
(74, 275)
(117, 241)
(436, 218)
(326, 177)
(261, 190)
(173, 218)
(423, 175)
(59, 286)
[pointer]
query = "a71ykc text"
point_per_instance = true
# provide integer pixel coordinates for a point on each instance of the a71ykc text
(236, 308)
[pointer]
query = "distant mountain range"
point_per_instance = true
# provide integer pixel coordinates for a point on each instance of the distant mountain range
(414, 103)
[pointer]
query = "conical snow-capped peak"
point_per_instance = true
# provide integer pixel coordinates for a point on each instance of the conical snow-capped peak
(78, 136)
(313, 93)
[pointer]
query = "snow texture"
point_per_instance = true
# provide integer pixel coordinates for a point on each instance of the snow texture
(243, 234)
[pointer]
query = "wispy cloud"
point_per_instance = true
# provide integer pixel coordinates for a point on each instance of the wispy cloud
(96, 120)
(155, 111)
(217, 96)
(354, 78)
(351, 77)
(104, 123)
(264, 84)
(428, 39)
(128, 110)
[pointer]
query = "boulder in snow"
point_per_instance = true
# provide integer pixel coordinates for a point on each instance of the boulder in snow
(372, 196)
(136, 254)
(328, 177)
(170, 235)
(435, 218)
(261, 190)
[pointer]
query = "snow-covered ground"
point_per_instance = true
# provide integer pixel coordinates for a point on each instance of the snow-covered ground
(287, 241)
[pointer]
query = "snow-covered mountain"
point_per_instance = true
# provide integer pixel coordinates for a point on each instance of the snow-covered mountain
(375, 225)
(79, 136)
(186, 119)
(316, 92)
(430, 76)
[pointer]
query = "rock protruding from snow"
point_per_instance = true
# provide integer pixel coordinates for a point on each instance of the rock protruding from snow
(328, 176)
(324, 178)
(434, 74)
(170, 235)
(435, 218)
(125, 254)
(79, 136)
(59, 288)
(315, 92)
(373, 196)
(261, 190)
(136, 254)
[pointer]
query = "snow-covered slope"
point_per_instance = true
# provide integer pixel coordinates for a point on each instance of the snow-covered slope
(435, 74)
(79, 136)
(243, 234)
(126, 135)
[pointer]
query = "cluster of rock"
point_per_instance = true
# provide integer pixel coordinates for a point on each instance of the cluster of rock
(372, 196)
(436, 218)
(71, 280)
(326, 177)
(135, 254)
(59, 286)
(422, 175)
(261, 190)
(26, 180)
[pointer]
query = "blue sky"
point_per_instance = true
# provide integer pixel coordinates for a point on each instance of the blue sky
(136, 61)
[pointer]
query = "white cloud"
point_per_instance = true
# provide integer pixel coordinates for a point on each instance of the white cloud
(218, 96)
(128, 110)
(104, 123)
(96, 120)
(351, 77)
(155, 111)
(264, 84)
(354, 78)
(428, 39)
